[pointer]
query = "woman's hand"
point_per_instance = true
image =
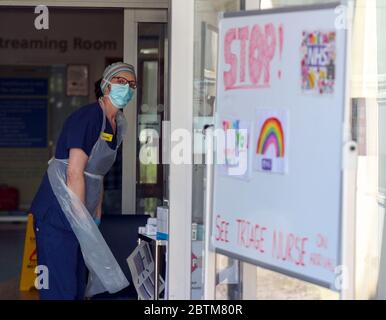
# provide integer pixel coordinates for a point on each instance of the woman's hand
(98, 212)
(97, 221)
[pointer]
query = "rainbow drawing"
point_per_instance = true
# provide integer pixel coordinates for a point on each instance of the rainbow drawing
(271, 133)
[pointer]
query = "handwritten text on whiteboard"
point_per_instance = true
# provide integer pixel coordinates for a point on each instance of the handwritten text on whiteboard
(249, 66)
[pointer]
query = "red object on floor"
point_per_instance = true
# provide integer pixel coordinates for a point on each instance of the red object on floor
(9, 198)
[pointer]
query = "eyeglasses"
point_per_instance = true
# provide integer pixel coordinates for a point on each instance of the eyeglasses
(124, 81)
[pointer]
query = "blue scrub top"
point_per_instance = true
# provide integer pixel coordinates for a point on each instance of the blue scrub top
(81, 130)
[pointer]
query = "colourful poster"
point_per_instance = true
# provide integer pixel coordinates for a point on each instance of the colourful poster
(318, 60)
(236, 149)
(271, 141)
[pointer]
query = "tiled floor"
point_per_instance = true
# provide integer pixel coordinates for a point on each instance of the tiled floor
(9, 290)
(11, 255)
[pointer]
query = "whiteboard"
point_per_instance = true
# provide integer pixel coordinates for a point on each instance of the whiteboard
(281, 87)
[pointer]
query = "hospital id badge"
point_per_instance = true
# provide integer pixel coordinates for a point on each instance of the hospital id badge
(107, 136)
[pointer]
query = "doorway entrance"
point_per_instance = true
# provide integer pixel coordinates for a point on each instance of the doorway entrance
(145, 179)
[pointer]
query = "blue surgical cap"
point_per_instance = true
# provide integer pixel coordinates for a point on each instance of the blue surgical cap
(113, 69)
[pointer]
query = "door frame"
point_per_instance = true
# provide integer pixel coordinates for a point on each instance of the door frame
(132, 17)
(180, 176)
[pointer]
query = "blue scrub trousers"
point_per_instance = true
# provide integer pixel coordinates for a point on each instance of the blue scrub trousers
(59, 250)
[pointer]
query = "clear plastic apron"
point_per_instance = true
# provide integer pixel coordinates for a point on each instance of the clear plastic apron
(104, 272)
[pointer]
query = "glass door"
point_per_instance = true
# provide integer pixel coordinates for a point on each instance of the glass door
(144, 182)
(150, 114)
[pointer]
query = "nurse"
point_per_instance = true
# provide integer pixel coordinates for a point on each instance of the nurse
(67, 208)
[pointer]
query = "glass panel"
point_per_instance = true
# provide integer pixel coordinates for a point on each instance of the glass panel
(381, 25)
(204, 93)
(227, 278)
(146, 120)
(150, 180)
(150, 80)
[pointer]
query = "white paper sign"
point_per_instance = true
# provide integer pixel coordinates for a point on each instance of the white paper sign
(271, 143)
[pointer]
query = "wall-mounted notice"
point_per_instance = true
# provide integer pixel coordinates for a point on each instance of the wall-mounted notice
(23, 123)
(281, 74)
(77, 80)
(23, 87)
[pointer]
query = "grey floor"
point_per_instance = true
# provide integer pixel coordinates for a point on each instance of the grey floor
(11, 256)
(271, 285)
